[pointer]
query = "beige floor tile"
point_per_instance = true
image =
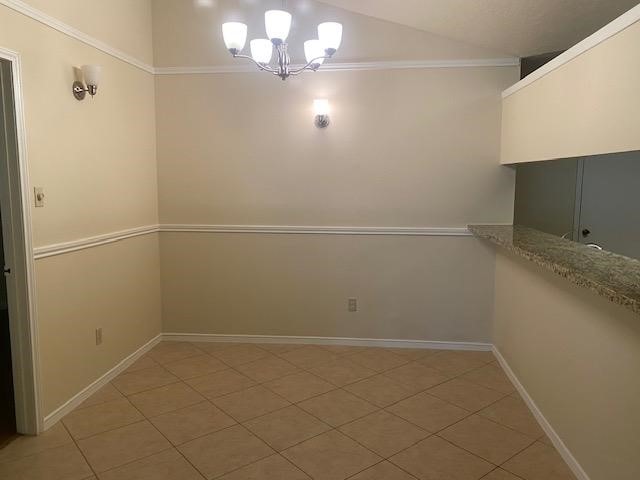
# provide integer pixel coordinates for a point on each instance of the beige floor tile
(337, 407)
(539, 462)
(267, 368)
(167, 352)
(490, 376)
(384, 433)
(102, 417)
(167, 465)
(192, 422)
(117, 447)
(499, 474)
(279, 348)
(25, 445)
(428, 412)
(413, 353)
(487, 439)
(286, 427)
(453, 362)
(143, 362)
(60, 463)
(165, 399)
(467, 395)
(343, 349)
(341, 371)
(331, 456)
(417, 377)
(220, 383)
(195, 366)
(210, 347)
(240, 354)
(436, 459)
(250, 403)
(105, 394)
(274, 467)
(383, 471)
(299, 386)
(378, 359)
(514, 413)
(224, 451)
(141, 380)
(379, 390)
(308, 356)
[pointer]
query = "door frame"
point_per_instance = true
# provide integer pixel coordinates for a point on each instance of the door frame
(15, 192)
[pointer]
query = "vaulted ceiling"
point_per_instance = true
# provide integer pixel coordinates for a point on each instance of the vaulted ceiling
(515, 27)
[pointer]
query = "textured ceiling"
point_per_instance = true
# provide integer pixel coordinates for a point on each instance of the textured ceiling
(515, 27)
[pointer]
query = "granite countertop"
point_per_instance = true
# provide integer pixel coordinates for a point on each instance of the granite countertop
(612, 276)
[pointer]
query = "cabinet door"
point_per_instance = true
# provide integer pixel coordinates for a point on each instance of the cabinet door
(610, 207)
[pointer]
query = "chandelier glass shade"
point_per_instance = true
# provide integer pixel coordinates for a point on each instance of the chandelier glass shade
(278, 26)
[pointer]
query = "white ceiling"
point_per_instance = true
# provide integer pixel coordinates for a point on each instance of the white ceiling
(515, 27)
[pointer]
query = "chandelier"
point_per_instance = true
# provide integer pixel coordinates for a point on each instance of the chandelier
(278, 24)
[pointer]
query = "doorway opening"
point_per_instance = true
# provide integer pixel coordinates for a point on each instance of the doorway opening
(19, 399)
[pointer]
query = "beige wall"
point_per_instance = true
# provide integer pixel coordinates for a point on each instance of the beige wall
(578, 356)
(96, 162)
(123, 24)
(587, 106)
(186, 34)
(405, 148)
(411, 288)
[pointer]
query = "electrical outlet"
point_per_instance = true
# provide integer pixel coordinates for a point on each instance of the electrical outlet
(353, 304)
(98, 336)
(38, 196)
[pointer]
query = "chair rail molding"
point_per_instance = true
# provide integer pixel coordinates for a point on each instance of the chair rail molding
(107, 238)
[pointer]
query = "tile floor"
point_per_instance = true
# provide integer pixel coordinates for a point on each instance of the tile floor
(292, 412)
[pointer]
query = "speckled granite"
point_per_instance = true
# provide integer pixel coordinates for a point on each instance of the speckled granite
(612, 276)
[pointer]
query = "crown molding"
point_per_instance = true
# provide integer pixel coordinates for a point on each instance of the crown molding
(618, 25)
(40, 16)
(348, 67)
(107, 238)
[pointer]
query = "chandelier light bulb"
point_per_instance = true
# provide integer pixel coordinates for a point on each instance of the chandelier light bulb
(261, 50)
(278, 24)
(235, 36)
(330, 34)
(314, 50)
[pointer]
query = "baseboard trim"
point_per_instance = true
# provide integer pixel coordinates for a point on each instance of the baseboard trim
(352, 342)
(566, 454)
(54, 417)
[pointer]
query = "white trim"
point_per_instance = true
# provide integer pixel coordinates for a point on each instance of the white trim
(353, 342)
(40, 16)
(348, 67)
(98, 240)
(608, 31)
(311, 230)
(91, 242)
(566, 454)
(22, 304)
(80, 397)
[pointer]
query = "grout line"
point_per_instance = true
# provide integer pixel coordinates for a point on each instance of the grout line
(80, 450)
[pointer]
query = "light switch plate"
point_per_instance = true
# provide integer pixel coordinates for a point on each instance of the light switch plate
(38, 195)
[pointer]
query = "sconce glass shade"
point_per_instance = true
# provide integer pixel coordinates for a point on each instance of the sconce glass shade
(314, 49)
(330, 35)
(261, 50)
(92, 74)
(321, 106)
(278, 24)
(235, 36)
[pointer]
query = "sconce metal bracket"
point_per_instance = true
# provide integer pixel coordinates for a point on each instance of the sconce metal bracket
(79, 91)
(322, 121)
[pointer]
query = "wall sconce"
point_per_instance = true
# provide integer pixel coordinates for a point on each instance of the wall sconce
(91, 75)
(321, 107)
